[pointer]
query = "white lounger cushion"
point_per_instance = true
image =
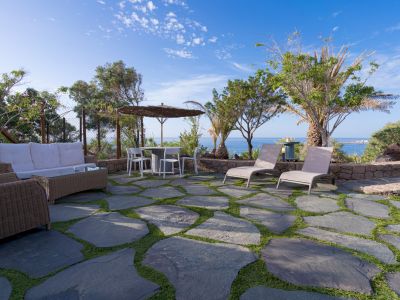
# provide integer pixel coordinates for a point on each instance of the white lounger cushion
(71, 154)
(52, 171)
(45, 156)
(18, 155)
(245, 172)
(299, 176)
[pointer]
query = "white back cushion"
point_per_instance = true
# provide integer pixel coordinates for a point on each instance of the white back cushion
(71, 154)
(45, 156)
(18, 155)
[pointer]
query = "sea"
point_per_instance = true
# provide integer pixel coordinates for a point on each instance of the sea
(237, 145)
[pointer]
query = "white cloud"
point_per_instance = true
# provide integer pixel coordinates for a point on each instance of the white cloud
(223, 54)
(121, 4)
(336, 28)
(242, 67)
(197, 41)
(151, 6)
(394, 28)
(101, 2)
(213, 39)
(51, 19)
(387, 77)
(180, 39)
(182, 53)
(336, 13)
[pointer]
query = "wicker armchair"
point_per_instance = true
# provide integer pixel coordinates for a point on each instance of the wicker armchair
(23, 205)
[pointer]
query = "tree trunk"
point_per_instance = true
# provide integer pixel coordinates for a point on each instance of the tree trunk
(314, 137)
(98, 136)
(325, 139)
(222, 151)
(250, 148)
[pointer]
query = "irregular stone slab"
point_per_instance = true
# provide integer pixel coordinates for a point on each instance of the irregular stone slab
(224, 227)
(41, 253)
(123, 189)
(275, 222)
(391, 239)
(202, 177)
(109, 229)
(394, 281)
(125, 180)
(236, 191)
(170, 219)
(151, 183)
(366, 197)
(262, 293)
(395, 203)
(208, 202)
(316, 204)
(67, 212)
(199, 189)
(5, 288)
(368, 208)
(395, 228)
(307, 263)
(111, 276)
(182, 182)
(380, 251)
(84, 197)
(266, 201)
(118, 202)
(283, 191)
(198, 270)
(328, 195)
(342, 221)
(162, 193)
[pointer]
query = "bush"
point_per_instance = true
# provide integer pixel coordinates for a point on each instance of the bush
(380, 140)
(189, 140)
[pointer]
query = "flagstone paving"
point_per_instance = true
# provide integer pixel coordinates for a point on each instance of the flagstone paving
(342, 221)
(162, 192)
(109, 229)
(275, 222)
(283, 192)
(5, 288)
(123, 189)
(125, 180)
(117, 202)
(66, 212)
(380, 251)
(395, 203)
(263, 200)
(368, 208)
(198, 270)
(83, 197)
(262, 293)
(224, 227)
(235, 191)
(151, 183)
(41, 253)
(394, 240)
(169, 219)
(308, 263)
(365, 196)
(394, 281)
(208, 202)
(199, 189)
(395, 228)
(316, 204)
(111, 276)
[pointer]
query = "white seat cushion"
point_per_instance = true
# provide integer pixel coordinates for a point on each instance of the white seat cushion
(52, 171)
(299, 176)
(45, 156)
(245, 171)
(71, 154)
(18, 155)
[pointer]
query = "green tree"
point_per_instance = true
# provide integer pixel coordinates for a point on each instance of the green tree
(189, 140)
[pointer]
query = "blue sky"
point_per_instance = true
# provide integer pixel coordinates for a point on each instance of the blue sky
(183, 48)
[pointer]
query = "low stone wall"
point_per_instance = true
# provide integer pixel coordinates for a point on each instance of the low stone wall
(113, 165)
(339, 171)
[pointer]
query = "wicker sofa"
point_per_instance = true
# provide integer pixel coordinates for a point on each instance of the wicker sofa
(23, 205)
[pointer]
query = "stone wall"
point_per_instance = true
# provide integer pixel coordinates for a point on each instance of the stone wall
(113, 165)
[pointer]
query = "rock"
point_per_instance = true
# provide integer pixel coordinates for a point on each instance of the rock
(202, 177)
(368, 208)
(236, 191)
(67, 212)
(83, 197)
(266, 201)
(262, 293)
(394, 281)
(395, 228)
(118, 202)
(395, 203)
(41, 253)
(307, 263)
(125, 180)
(162, 193)
(391, 239)
(111, 276)
(208, 202)
(282, 192)
(151, 183)
(316, 204)
(123, 189)
(5, 288)
(198, 270)
(392, 153)
(170, 219)
(342, 221)
(275, 222)
(198, 189)
(224, 227)
(380, 251)
(109, 229)
(366, 197)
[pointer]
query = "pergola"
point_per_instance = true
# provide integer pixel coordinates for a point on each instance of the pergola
(161, 112)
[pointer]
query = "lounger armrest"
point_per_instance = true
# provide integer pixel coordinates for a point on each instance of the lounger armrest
(90, 159)
(5, 167)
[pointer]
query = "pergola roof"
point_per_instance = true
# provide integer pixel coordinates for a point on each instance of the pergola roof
(159, 111)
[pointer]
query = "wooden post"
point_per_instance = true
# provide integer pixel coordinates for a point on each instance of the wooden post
(84, 131)
(42, 124)
(80, 128)
(142, 131)
(48, 133)
(64, 136)
(118, 137)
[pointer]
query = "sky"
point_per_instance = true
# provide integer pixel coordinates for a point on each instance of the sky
(185, 48)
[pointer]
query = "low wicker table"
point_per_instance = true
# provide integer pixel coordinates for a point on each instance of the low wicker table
(60, 184)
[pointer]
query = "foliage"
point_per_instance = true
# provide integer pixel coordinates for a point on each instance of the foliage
(255, 153)
(299, 149)
(189, 140)
(323, 87)
(261, 103)
(338, 154)
(380, 140)
(106, 150)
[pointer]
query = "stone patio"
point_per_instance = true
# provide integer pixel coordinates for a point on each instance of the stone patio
(207, 234)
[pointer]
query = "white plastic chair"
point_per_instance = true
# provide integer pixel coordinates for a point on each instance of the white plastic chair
(170, 152)
(135, 156)
(193, 158)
